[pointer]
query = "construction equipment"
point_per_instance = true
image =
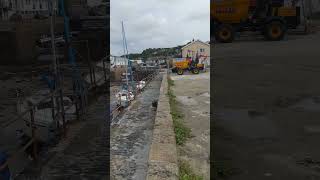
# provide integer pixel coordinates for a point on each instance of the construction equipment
(269, 17)
(187, 64)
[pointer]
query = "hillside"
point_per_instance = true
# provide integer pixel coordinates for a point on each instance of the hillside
(157, 52)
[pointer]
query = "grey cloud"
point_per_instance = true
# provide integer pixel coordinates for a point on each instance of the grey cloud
(158, 23)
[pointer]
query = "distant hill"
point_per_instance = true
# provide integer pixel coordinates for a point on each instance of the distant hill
(157, 52)
(174, 52)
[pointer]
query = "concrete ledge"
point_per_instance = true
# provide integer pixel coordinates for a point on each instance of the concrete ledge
(162, 171)
(163, 161)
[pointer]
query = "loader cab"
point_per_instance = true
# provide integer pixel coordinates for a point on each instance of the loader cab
(269, 17)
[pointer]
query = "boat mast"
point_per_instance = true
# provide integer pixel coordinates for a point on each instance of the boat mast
(125, 52)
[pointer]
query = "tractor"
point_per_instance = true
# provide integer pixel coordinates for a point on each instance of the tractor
(269, 17)
(187, 64)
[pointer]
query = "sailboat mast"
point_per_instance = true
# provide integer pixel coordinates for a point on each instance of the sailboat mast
(125, 50)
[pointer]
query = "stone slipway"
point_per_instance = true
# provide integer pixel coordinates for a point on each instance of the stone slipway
(163, 162)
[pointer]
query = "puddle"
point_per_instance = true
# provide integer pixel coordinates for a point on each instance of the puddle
(206, 94)
(312, 129)
(240, 122)
(309, 104)
(4, 77)
(309, 162)
(185, 100)
(283, 161)
(200, 113)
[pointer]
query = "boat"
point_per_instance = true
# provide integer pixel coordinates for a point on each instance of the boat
(43, 119)
(141, 85)
(124, 97)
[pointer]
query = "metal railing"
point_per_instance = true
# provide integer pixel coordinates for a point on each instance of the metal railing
(28, 114)
(32, 125)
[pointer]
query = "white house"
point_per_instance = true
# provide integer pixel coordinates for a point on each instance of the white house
(197, 48)
(138, 61)
(118, 61)
(26, 8)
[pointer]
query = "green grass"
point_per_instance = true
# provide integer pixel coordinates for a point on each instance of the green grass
(186, 173)
(170, 82)
(182, 132)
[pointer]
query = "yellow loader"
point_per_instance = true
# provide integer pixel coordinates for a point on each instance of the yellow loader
(269, 17)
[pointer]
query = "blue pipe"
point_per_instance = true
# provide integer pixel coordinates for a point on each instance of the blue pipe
(71, 51)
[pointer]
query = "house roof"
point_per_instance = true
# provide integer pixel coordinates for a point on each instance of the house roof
(195, 42)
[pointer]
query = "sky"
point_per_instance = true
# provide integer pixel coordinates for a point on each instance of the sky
(158, 23)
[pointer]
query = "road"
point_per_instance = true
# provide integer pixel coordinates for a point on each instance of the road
(193, 95)
(266, 109)
(131, 135)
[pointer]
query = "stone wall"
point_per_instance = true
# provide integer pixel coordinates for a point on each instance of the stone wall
(163, 162)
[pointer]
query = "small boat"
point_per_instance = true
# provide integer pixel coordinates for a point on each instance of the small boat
(124, 97)
(141, 85)
(43, 112)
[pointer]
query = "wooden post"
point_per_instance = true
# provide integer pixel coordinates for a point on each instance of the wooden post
(62, 113)
(104, 71)
(33, 134)
(52, 110)
(94, 76)
(81, 102)
(76, 101)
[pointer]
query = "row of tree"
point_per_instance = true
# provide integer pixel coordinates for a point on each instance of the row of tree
(157, 52)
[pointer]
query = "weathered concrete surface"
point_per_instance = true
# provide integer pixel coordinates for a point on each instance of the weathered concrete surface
(26, 78)
(11, 78)
(84, 154)
(162, 161)
(265, 126)
(131, 135)
(193, 95)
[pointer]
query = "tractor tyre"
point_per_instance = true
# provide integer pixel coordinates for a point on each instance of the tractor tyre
(195, 71)
(274, 31)
(180, 71)
(224, 33)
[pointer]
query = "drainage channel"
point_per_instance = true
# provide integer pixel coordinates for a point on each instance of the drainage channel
(131, 135)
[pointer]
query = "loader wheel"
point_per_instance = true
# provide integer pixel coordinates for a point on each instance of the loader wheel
(274, 31)
(224, 33)
(179, 71)
(195, 71)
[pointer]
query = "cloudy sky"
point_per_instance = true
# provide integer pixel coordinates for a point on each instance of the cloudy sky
(158, 23)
